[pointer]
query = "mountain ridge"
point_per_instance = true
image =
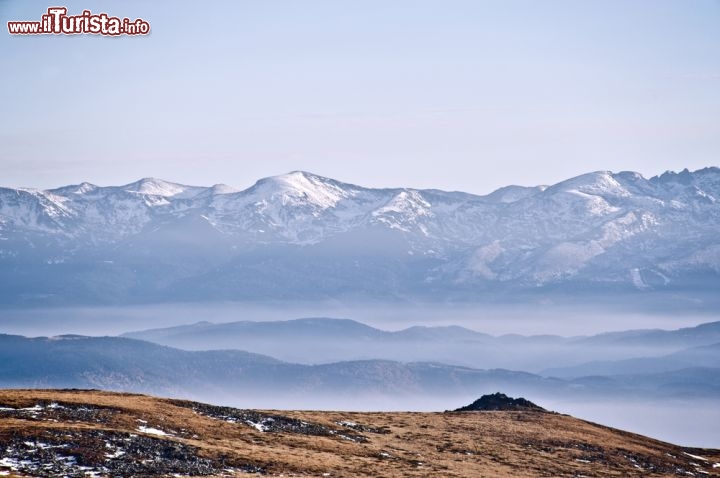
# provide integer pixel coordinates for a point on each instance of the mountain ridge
(131, 365)
(156, 241)
(323, 340)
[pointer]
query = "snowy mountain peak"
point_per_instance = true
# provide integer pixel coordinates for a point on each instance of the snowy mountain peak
(298, 180)
(683, 176)
(77, 189)
(630, 176)
(302, 187)
(158, 187)
(706, 177)
(298, 175)
(598, 183)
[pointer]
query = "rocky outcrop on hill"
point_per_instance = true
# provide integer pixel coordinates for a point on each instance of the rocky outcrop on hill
(500, 401)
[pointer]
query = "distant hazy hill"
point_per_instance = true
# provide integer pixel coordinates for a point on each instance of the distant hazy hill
(698, 357)
(131, 365)
(703, 334)
(300, 236)
(314, 340)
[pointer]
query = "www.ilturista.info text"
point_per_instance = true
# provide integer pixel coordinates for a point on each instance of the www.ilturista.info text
(57, 22)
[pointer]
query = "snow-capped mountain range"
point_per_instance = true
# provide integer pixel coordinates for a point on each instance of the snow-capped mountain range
(300, 235)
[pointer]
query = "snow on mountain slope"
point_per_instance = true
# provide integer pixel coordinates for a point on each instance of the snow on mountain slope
(406, 208)
(302, 189)
(598, 228)
(158, 187)
(298, 207)
(34, 210)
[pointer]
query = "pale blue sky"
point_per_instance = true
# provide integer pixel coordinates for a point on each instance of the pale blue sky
(454, 94)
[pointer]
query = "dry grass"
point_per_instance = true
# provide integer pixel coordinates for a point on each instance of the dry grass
(474, 444)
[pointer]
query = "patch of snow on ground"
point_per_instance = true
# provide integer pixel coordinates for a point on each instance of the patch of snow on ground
(259, 426)
(113, 452)
(11, 463)
(695, 457)
(42, 446)
(152, 431)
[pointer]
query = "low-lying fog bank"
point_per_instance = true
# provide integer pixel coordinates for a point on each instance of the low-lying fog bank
(661, 384)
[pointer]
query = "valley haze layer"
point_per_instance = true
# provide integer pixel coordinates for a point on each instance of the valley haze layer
(300, 236)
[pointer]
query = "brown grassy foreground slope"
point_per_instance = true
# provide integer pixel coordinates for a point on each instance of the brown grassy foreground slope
(92, 433)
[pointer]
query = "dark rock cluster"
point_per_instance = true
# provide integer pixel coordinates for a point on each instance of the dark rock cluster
(83, 452)
(48, 451)
(44, 410)
(500, 401)
(275, 423)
